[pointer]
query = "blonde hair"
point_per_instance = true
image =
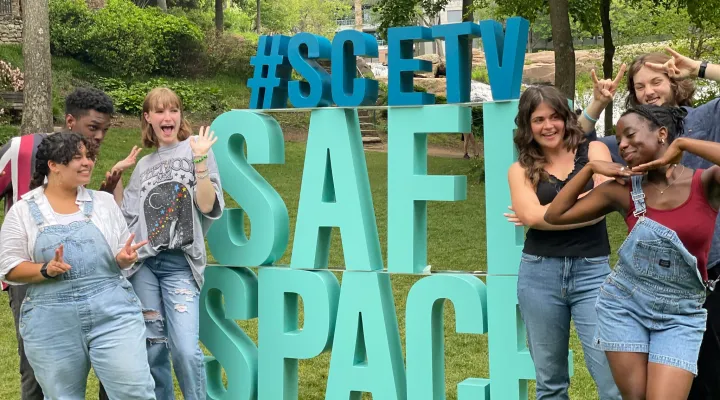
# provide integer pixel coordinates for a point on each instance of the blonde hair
(162, 97)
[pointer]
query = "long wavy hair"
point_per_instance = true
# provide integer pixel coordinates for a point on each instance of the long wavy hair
(60, 148)
(683, 89)
(530, 154)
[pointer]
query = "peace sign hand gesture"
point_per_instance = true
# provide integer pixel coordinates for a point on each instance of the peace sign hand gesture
(678, 67)
(201, 144)
(128, 255)
(57, 266)
(604, 90)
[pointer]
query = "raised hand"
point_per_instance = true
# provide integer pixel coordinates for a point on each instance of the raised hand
(513, 218)
(128, 255)
(672, 156)
(201, 144)
(111, 181)
(604, 90)
(678, 67)
(57, 266)
(129, 161)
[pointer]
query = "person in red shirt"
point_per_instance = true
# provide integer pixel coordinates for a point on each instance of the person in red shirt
(88, 112)
(651, 318)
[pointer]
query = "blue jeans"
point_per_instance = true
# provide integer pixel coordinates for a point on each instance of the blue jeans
(171, 306)
(551, 291)
(102, 328)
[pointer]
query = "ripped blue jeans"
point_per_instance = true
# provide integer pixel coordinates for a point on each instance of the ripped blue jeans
(171, 306)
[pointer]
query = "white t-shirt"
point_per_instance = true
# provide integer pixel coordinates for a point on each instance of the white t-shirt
(67, 219)
(19, 230)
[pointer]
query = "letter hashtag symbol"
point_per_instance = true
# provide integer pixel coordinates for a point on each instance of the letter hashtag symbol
(269, 84)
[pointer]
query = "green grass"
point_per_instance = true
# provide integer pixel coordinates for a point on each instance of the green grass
(456, 240)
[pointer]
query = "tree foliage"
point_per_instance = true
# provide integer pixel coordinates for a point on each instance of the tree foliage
(392, 13)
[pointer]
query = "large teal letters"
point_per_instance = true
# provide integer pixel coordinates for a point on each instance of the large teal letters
(265, 208)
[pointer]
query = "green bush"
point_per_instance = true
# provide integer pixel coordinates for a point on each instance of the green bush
(71, 21)
(124, 39)
(128, 98)
(229, 54)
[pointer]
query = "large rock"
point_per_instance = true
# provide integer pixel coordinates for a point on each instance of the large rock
(438, 66)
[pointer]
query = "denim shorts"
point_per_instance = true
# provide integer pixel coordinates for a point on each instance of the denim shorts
(669, 328)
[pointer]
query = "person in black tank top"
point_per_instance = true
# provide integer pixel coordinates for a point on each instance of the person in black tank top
(562, 266)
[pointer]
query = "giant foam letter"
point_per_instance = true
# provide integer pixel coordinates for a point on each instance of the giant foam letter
(229, 294)
(366, 354)
(302, 50)
(348, 91)
(409, 186)
(505, 55)
(425, 344)
(402, 65)
(281, 343)
(265, 145)
(335, 191)
(457, 48)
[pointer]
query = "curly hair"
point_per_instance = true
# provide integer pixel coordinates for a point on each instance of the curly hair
(683, 89)
(82, 100)
(530, 155)
(162, 97)
(672, 118)
(60, 148)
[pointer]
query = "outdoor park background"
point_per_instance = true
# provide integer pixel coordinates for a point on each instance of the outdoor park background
(126, 48)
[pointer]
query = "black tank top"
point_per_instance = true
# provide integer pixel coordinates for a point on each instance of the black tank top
(588, 241)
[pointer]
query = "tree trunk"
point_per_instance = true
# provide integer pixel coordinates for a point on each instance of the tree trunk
(219, 16)
(162, 4)
(358, 15)
(563, 47)
(37, 107)
(257, 18)
(607, 57)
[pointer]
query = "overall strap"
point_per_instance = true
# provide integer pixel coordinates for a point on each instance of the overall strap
(88, 205)
(638, 196)
(35, 212)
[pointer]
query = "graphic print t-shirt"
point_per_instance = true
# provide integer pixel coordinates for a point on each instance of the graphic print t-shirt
(159, 205)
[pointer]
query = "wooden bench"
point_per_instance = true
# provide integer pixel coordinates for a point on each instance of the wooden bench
(12, 100)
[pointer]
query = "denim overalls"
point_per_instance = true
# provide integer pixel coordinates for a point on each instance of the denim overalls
(88, 316)
(653, 301)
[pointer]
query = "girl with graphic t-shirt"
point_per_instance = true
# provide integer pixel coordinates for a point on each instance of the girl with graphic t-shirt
(172, 198)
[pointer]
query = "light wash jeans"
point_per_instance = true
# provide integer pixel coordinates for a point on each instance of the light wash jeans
(171, 306)
(551, 291)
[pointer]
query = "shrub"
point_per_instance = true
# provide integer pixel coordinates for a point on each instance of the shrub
(229, 54)
(128, 98)
(70, 23)
(124, 39)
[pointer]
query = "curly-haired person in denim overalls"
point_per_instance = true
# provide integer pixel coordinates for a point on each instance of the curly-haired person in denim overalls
(650, 315)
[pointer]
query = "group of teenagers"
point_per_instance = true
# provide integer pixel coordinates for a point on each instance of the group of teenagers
(109, 278)
(650, 326)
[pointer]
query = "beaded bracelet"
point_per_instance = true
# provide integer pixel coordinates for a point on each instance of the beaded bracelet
(200, 159)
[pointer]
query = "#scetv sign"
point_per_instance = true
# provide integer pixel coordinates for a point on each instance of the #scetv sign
(357, 320)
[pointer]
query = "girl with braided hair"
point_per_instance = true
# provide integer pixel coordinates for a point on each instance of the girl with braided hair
(651, 318)
(69, 244)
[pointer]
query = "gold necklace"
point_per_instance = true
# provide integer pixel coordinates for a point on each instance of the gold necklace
(671, 183)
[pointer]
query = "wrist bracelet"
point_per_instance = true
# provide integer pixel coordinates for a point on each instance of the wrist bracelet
(589, 118)
(202, 176)
(197, 171)
(701, 71)
(199, 159)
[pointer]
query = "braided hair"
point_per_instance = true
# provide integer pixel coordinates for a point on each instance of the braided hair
(672, 118)
(60, 148)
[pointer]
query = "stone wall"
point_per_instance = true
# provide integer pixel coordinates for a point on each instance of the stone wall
(11, 24)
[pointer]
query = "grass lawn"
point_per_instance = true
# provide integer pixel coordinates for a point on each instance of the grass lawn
(456, 240)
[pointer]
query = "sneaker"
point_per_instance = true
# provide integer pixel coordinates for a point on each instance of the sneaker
(466, 156)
